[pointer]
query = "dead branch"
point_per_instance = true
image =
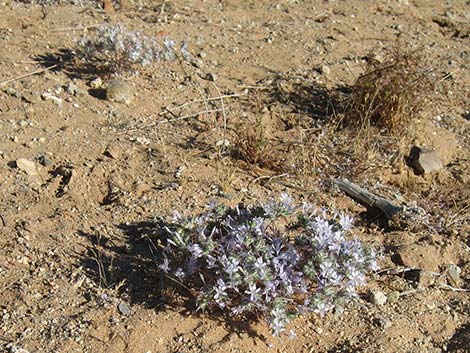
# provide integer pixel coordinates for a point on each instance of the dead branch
(368, 199)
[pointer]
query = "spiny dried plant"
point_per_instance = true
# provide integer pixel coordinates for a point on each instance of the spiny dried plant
(392, 92)
(254, 147)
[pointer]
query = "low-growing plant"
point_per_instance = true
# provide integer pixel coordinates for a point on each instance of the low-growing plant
(276, 261)
(115, 49)
(254, 147)
(391, 92)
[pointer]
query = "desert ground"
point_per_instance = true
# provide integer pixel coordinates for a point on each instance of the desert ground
(83, 177)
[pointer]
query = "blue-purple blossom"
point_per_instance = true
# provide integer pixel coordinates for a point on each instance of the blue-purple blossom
(240, 261)
(253, 291)
(120, 48)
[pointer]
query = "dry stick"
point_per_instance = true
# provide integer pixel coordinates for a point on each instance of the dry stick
(176, 119)
(367, 198)
(269, 177)
(205, 100)
(453, 289)
(223, 112)
(74, 28)
(29, 74)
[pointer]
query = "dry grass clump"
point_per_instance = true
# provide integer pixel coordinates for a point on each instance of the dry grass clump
(392, 92)
(254, 147)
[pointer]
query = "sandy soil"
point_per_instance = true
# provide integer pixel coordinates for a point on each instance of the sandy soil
(74, 241)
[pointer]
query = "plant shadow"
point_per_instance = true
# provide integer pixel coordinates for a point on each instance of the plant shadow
(66, 61)
(309, 97)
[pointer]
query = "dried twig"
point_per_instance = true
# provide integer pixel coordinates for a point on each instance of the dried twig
(29, 74)
(453, 289)
(367, 198)
(74, 28)
(204, 100)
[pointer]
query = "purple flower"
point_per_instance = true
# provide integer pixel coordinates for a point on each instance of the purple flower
(253, 291)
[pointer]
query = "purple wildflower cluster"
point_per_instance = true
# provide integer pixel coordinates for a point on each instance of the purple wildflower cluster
(279, 260)
(118, 49)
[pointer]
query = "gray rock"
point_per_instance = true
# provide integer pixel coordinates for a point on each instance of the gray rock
(453, 274)
(424, 161)
(44, 160)
(211, 77)
(325, 70)
(124, 309)
(27, 166)
(74, 90)
(119, 91)
(378, 298)
(383, 322)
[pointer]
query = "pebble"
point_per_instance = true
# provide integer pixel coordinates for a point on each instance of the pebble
(124, 309)
(424, 161)
(50, 97)
(393, 296)
(426, 278)
(74, 90)
(96, 83)
(119, 91)
(44, 160)
(325, 70)
(453, 274)
(378, 298)
(14, 349)
(383, 322)
(211, 77)
(27, 166)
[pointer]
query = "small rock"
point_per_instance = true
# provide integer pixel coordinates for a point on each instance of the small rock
(453, 274)
(378, 298)
(13, 92)
(325, 70)
(424, 161)
(114, 151)
(27, 166)
(211, 77)
(141, 140)
(393, 296)
(124, 309)
(198, 64)
(425, 279)
(383, 322)
(96, 83)
(119, 91)
(50, 97)
(74, 90)
(14, 349)
(44, 160)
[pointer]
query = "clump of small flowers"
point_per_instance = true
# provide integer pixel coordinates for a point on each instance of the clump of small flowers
(276, 261)
(118, 50)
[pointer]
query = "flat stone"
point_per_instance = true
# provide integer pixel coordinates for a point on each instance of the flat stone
(119, 91)
(27, 166)
(419, 256)
(424, 161)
